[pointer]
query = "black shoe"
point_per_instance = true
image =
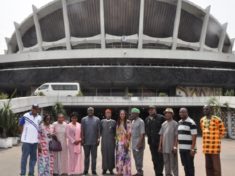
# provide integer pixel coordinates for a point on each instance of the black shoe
(111, 172)
(94, 173)
(104, 172)
(85, 172)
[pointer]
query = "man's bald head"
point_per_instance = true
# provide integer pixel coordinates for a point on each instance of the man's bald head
(207, 110)
(183, 112)
(183, 109)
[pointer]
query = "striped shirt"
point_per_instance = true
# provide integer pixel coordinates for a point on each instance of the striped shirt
(186, 129)
(31, 127)
(212, 131)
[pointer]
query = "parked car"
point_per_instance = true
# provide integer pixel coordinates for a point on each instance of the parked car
(58, 89)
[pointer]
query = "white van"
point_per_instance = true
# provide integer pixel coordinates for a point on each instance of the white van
(58, 89)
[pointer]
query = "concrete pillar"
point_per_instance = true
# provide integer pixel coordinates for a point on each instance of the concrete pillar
(142, 91)
(41, 112)
(18, 37)
(176, 24)
(66, 24)
(204, 28)
(232, 45)
(9, 48)
(222, 37)
(96, 92)
(37, 27)
(141, 24)
(102, 25)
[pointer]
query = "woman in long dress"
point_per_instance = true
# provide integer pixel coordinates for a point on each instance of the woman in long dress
(61, 158)
(75, 164)
(45, 157)
(123, 137)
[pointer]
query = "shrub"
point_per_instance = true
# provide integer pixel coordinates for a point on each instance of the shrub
(3, 95)
(80, 94)
(229, 92)
(40, 94)
(7, 120)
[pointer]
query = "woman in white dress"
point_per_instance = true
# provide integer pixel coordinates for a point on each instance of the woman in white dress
(61, 158)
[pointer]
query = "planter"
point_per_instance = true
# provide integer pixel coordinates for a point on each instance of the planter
(15, 141)
(10, 142)
(6, 142)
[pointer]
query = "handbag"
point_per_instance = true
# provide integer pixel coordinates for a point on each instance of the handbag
(55, 145)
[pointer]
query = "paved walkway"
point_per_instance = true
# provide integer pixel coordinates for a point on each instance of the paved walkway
(10, 159)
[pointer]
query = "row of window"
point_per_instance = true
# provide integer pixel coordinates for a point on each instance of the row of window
(59, 87)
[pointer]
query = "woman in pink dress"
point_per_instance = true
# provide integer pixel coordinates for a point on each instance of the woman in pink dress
(75, 160)
(61, 158)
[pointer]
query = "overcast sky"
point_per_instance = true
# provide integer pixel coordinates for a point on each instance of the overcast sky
(18, 10)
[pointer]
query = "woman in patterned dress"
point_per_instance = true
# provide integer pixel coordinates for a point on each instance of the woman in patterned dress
(123, 154)
(45, 157)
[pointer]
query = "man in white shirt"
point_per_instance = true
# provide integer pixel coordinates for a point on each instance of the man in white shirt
(30, 122)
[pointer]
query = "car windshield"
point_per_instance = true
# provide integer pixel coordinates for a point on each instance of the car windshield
(45, 86)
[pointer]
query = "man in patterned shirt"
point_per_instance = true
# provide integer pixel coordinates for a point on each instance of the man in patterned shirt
(212, 131)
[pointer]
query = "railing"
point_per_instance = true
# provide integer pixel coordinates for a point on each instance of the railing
(24, 103)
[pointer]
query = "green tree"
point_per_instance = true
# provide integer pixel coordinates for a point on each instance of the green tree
(13, 130)
(7, 119)
(57, 109)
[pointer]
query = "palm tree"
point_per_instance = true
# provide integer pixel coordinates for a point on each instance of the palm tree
(215, 105)
(219, 109)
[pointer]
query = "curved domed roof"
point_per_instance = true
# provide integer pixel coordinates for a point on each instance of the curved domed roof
(121, 19)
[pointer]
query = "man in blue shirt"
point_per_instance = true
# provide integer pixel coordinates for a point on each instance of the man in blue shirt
(30, 123)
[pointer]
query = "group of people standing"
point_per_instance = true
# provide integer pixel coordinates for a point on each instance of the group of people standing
(166, 137)
(118, 140)
(36, 135)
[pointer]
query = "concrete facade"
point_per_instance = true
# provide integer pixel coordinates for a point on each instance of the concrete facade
(138, 17)
(105, 77)
(119, 45)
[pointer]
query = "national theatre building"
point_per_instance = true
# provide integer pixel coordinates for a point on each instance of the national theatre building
(120, 47)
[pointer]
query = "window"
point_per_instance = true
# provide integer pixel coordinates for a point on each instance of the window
(57, 87)
(70, 87)
(43, 87)
(64, 87)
